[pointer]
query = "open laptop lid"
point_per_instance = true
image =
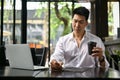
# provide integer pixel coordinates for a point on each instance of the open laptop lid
(19, 56)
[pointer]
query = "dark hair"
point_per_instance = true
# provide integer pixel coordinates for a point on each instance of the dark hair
(81, 11)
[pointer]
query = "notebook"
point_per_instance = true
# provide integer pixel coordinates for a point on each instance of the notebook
(19, 56)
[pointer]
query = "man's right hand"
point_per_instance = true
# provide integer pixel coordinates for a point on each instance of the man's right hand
(56, 66)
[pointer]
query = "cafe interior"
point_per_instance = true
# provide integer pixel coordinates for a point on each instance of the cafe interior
(36, 22)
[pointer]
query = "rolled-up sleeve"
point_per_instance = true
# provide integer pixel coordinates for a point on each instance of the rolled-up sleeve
(59, 51)
(100, 44)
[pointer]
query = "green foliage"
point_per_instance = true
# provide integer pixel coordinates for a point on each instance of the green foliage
(109, 57)
(110, 17)
(56, 23)
(7, 12)
(38, 13)
(117, 52)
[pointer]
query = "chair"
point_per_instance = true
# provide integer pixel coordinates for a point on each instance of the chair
(39, 55)
(34, 55)
(3, 60)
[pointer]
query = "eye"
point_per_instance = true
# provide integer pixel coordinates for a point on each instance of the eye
(81, 22)
(75, 21)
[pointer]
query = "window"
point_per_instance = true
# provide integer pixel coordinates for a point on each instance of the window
(113, 18)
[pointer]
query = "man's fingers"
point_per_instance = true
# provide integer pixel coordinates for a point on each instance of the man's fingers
(61, 63)
(56, 66)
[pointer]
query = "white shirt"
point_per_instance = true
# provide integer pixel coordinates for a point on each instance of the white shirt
(71, 55)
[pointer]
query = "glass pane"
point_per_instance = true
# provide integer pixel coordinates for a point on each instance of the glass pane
(113, 18)
(18, 15)
(58, 26)
(37, 24)
(8, 21)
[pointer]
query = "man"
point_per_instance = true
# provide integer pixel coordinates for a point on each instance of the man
(72, 49)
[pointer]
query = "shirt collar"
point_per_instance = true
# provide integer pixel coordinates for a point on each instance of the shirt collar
(71, 36)
(86, 35)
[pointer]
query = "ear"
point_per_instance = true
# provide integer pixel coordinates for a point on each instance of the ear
(86, 23)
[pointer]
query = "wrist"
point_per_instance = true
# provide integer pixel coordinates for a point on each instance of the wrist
(101, 59)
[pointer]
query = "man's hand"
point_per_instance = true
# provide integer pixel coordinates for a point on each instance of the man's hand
(99, 52)
(56, 66)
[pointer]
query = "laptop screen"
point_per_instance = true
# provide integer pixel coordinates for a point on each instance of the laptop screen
(19, 56)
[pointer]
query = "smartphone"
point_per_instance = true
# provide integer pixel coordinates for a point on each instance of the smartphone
(91, 44)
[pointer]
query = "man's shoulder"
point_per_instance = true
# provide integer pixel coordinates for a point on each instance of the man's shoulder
(66, 37)
(93, 36)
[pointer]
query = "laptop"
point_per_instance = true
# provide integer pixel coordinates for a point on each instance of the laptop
(20, 72)
(20, 56)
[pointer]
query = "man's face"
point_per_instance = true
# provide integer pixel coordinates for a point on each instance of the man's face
(79, 23)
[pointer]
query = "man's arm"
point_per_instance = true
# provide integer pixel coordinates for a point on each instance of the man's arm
(102, 61)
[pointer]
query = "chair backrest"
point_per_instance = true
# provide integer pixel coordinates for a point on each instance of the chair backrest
(2, 56)
(34, 56)
(39, 55)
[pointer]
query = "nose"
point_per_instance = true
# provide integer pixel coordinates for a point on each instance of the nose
(77, 23)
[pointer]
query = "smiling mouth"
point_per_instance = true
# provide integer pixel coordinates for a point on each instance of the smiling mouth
(78, 29)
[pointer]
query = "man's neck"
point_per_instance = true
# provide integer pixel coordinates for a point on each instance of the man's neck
(78, 35)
